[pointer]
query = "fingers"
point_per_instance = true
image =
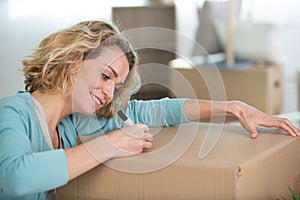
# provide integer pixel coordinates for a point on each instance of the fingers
(287, 126)
(146, 138)
(251, 118)
(254, 135)
(146, 135)
(252, 131)
(138, 131)
(147, 145)
(143, 139)
(139, 145)
(269, 121)
(291, 128)
(142, 145)
(280, 123)
(130, 140)
(144, 127)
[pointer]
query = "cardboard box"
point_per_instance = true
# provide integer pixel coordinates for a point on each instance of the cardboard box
(237, 167)
(261, 87)
(155, 46)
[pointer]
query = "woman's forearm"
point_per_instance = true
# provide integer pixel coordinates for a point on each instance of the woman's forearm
(196, 110)
(75, 157)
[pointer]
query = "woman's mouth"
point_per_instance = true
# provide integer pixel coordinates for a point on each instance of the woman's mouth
(97, 101)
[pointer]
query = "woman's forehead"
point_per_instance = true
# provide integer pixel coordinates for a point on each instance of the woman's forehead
(112, 54)
(109, 57)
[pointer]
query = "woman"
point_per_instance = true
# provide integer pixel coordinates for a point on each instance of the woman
(74, 74)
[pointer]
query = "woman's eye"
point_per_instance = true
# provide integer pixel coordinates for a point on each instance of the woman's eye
(105, 76)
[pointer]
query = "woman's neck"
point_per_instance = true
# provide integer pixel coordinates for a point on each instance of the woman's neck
(55, 107)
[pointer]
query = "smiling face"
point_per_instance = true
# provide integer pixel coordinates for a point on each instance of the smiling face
(97, 80)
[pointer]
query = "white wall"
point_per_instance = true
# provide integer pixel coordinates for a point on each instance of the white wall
(23, 23)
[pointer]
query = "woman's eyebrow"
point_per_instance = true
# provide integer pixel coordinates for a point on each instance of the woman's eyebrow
(114, 72)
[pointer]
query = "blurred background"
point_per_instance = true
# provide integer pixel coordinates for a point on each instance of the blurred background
(265, 32)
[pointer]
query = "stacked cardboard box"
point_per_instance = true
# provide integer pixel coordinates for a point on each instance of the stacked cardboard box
(236, 167)
(261, 86)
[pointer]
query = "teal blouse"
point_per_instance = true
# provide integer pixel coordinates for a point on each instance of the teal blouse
(29, 168)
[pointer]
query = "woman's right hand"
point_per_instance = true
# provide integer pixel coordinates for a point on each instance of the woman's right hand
(127, 141)
(130, 140)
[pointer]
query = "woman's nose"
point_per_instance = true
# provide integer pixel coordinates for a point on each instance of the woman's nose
(108, 91)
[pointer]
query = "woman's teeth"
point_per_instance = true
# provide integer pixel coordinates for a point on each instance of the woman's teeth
(96, 98)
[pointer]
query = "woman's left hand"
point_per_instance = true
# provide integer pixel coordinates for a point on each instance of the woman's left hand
(250, 118)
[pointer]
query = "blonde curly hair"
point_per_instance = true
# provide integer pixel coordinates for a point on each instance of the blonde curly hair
(54, 65)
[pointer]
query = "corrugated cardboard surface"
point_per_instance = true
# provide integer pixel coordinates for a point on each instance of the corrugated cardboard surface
(236, 168)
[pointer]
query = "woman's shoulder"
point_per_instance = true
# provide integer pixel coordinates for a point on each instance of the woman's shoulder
(21, 100)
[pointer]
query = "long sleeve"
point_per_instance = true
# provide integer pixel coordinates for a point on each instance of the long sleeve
(28, 169)
(163, 112)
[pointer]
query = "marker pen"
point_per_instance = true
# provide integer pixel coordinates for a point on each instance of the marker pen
(125, 119)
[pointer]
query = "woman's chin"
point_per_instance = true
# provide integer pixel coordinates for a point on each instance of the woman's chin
(88, 111)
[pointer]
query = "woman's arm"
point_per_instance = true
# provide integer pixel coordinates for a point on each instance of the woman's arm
(123, 142)
(249, 117)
